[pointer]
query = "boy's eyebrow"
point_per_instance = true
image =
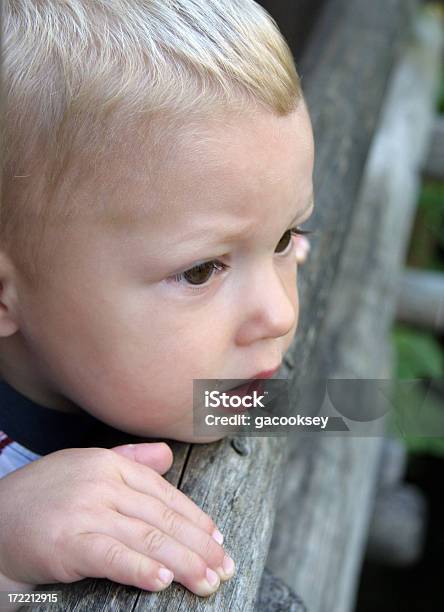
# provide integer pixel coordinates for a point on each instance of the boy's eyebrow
(124, 219)
(233, 236)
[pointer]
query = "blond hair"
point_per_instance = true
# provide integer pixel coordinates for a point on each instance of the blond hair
(78, 73)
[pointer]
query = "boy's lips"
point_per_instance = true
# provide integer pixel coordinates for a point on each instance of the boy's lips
(254, 383)
(241, 391)
(266, 373)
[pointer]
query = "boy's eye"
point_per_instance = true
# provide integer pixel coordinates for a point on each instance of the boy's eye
(201, 273)
(284, 242)
(286, 239)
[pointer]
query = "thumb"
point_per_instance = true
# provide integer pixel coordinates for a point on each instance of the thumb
(156, 455)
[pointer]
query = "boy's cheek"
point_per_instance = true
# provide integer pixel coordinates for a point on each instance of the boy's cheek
(291, 334)
(148, 411)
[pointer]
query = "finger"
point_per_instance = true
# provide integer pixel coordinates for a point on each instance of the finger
(137, 477)
(188, 567)
(101, 556)
(153, 512)
(156, 455)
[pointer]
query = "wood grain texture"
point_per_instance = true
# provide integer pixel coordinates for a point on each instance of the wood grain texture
(434, 165)
(345, 72)
(330, 483)
(421, 299)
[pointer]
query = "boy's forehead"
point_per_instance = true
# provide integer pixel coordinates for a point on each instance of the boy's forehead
(207, 167)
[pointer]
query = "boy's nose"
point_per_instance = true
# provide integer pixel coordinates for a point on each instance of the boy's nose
(270, 307)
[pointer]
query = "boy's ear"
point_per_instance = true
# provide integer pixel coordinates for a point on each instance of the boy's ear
(8, 297)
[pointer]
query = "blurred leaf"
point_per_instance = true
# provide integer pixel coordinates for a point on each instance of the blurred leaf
(418, 354)
(426, 246)
(415, 413)
(440, 105)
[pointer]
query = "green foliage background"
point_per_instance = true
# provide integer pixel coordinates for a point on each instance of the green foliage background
(420, 354)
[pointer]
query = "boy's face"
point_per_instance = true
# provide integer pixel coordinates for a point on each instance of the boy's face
(116, 334)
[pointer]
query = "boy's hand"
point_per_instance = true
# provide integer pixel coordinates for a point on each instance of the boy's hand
(105, 513)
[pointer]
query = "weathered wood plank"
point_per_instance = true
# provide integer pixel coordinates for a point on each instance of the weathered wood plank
(274, 596)
(434, 164)
(421, 299)
(241, 491)
(398, 526)
(344, 72)
(325, 509)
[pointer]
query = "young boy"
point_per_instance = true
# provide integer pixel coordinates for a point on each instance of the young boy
(157, 160)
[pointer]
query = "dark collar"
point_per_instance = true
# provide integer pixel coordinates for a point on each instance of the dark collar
(44, 430)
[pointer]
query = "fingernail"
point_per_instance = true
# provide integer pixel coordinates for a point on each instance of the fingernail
(165, 575)
(228, 565)
(216, 535)
(212, 577)
(227, 570)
